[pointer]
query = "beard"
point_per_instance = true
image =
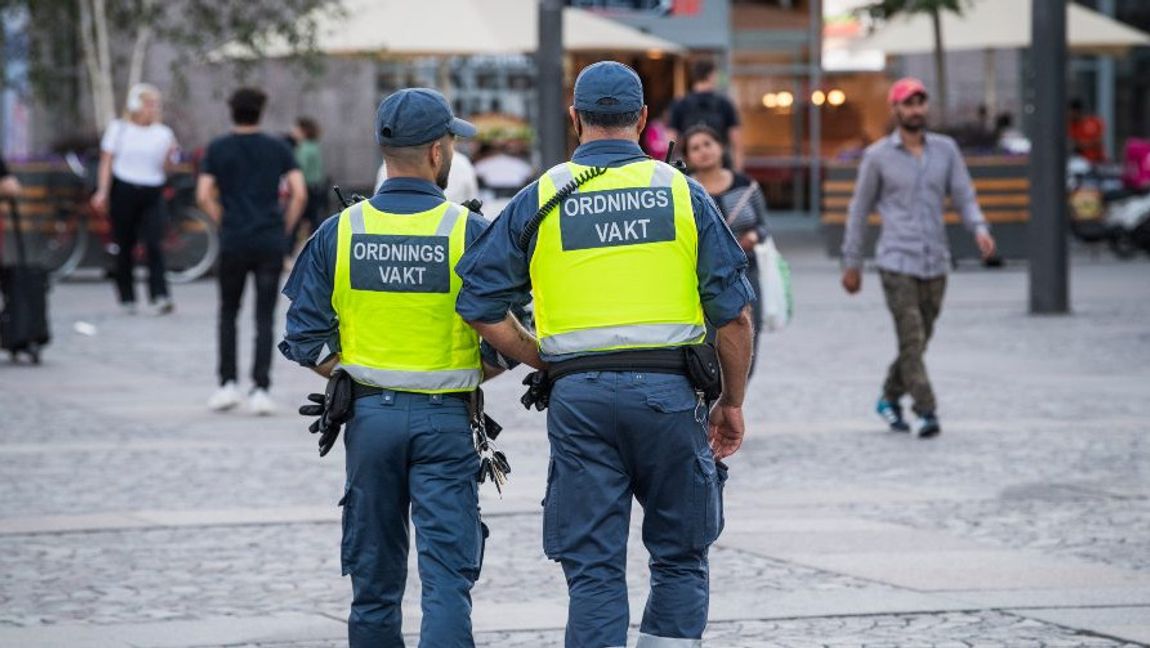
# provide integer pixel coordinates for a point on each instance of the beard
(445, 170)
(912, 124)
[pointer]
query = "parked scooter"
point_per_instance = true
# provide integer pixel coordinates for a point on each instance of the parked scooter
(1108, 203)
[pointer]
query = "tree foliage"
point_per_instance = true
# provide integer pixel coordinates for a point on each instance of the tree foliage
(888, 9)
(58, 55)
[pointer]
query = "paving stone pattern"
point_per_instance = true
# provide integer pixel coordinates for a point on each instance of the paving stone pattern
(1044, 448)
(949, 630)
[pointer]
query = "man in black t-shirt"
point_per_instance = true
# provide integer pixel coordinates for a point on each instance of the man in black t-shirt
(707, 107)
(239, 188)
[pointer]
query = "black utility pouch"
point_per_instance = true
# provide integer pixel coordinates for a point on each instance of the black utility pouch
(703, 370)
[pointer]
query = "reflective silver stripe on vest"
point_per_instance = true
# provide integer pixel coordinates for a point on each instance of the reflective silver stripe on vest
(356, 215)
(452, 379)
(651, 641)
(561, 176)
(663, 176)
(610, 337)
(447, 223)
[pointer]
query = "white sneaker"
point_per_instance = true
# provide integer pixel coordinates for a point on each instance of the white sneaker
(163, 306)
(260, 403)
(128, 308)
(226, 397)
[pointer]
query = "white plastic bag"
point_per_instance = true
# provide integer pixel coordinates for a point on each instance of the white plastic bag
(778, 298)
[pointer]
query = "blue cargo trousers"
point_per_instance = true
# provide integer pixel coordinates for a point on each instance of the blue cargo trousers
(614, 436)
(411, 452)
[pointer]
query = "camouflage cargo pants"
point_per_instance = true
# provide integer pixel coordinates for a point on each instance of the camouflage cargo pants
(914, 304)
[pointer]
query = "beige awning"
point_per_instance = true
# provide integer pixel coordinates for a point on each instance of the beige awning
(1000, 24)
(464, 27)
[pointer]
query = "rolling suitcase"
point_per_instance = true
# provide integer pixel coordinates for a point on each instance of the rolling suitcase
(24, 320)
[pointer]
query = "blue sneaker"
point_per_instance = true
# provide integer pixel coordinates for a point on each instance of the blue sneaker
(892, 414)
(927, 426)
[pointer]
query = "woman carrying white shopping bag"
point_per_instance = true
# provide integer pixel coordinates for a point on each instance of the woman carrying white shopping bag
(739, 199)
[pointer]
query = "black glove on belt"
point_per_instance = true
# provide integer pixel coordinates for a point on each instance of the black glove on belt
(332, 408)
(538, 393)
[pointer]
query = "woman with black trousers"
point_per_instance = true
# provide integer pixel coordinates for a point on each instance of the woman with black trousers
(739, 199)
(135, 154)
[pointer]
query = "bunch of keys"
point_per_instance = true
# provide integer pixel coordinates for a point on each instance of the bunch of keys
(493, 463)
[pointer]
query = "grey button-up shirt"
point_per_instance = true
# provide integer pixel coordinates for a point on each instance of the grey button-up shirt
(909, 194)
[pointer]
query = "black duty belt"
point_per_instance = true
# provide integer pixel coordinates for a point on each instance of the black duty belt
(359, 390)
(670, 361)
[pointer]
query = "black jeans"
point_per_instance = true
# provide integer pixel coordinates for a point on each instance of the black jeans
(233, 274)
(136, 210)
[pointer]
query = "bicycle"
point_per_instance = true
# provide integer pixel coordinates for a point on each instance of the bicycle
(63, 240)
(56, 238)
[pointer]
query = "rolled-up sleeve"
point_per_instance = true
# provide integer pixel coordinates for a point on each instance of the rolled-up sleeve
(495, 270)
(862, 204)
(723, 286)
(311, 320)
(962, 193)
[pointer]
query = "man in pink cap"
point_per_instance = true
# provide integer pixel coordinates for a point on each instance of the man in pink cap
(906, 178)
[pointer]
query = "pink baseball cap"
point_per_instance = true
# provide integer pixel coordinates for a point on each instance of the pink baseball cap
(905, 88)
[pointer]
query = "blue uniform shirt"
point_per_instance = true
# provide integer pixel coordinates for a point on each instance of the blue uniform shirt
(495, 270)
(311, 320)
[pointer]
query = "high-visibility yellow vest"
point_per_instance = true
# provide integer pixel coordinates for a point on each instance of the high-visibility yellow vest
(614, 265)
(394, 295)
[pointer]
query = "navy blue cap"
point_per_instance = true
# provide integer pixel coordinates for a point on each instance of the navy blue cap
(415, 116)
(608, 87)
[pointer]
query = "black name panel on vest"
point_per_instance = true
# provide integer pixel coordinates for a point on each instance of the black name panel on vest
(617, 217)
(388, 263)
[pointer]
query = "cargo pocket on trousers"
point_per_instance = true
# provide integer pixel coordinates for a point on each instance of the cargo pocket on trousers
(723, 472)
(552, 524)
(708, 500)
(484, 533)
(348, 546)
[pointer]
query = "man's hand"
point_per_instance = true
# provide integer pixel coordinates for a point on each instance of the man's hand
(852, 280)
(986, 245)
(10, 187)
(749, 240)
(207, 199)
(726, 430)
(99, 201)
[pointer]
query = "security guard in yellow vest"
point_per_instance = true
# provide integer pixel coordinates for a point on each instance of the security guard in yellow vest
(377, 287)
(626, 259)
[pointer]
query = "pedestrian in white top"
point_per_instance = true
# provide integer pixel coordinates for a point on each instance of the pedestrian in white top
(136, 153)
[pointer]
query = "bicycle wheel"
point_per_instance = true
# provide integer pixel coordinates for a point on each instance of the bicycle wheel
(191, 245)
(55, 241)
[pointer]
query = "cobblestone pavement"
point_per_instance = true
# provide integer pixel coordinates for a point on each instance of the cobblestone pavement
(949, 630)
(1044, 454)
(1073, 519)
(212, 571)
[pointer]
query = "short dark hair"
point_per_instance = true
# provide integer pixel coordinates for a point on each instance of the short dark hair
(309, 126)
(247, 105)
(609, 121)
(702, 70)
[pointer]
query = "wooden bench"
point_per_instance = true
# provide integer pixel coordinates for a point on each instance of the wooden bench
(1003, 188)
(52, 194)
